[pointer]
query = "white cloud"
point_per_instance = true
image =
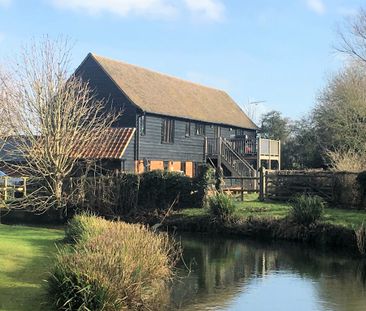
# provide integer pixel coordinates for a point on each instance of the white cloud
(5, 3)
(155, 8)
(209, 9)
(317, 6)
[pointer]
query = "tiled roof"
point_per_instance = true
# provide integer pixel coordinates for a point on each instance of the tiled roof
(162, 94)
(111, 145)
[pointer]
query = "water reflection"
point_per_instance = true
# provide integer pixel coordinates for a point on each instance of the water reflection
(232, 274)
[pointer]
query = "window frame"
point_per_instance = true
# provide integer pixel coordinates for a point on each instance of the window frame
(142, 125)
(200, 129)
(167, 131)
(188, 129)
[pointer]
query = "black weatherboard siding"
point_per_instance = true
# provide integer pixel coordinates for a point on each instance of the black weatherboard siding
(148, 143)
(105, 89)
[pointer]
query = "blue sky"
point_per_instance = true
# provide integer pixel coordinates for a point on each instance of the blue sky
(277, 51)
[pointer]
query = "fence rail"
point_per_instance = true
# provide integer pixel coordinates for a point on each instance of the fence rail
(12, 188)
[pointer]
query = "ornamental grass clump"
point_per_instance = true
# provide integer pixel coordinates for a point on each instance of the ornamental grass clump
(122, 267)
(307, 209)
(221, 206)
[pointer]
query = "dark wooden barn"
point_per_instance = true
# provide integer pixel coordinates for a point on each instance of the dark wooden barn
(169, 123)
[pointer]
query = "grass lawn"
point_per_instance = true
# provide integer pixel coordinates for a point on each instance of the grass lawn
(25, 258)
(253, 207)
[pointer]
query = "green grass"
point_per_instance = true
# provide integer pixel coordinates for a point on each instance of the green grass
(253, 207)
(25, 259)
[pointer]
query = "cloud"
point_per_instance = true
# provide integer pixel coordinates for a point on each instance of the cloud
(5, 3)
(317, 6)
(209, 9)
(154, 8)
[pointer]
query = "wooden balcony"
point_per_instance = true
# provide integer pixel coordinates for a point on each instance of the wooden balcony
(259, 150)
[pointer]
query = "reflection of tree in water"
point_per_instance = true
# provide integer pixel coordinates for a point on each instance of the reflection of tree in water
(223, 268)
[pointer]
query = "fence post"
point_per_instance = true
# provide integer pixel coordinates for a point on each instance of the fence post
(261, 184)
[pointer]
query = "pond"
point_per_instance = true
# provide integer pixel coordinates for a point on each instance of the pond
(229, 274)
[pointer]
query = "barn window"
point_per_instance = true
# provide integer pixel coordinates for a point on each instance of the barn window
(200, 129)
(188, 129)
(239, 132)
(167, 131)
(142, 125)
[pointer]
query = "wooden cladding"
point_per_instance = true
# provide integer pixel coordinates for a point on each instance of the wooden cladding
(200, 129)
(167, 131)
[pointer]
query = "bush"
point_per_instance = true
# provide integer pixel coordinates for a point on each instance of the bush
(112, 266)
(221, 206)
(307, 209)
(84, 226)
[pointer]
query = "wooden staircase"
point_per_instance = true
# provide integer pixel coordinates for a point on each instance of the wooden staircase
(223, 152)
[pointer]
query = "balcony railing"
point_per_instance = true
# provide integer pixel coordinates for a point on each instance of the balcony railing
(247, 147)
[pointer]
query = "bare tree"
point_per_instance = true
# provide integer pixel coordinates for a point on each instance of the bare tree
(340, 115)
(54, 116)
(353, 37)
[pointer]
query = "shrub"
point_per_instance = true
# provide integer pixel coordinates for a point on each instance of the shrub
(347, 160)
(112, 266)
(221, 206)
(84, 226)
(307, 209)
(201, 185)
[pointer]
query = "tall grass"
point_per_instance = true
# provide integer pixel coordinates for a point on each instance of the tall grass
(306, 209)
(221, 206)
(112, 266)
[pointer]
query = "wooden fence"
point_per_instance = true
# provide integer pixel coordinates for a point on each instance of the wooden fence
(338, 188)
(246, 184)
(12, 188)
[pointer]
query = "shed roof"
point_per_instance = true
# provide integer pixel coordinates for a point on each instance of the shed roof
(111, 145)
(158, 93)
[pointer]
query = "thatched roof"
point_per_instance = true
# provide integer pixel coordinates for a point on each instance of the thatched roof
(158, 93)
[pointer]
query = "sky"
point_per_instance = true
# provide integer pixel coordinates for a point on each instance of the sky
(280, 51)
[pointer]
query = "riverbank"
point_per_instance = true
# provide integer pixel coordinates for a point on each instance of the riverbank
(269, 221)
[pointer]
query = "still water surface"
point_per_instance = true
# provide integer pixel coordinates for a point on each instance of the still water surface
(229, 274)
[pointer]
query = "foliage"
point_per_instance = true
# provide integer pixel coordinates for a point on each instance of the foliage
(274, 126)
(84, 226)
(361, 239)
(347, 160)
(159, 189)
(202, 182)
(119, 266)
(123, 193)
(53, 116)
(221, 206)
(306, 209)
(340, 113)
(302, 149)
